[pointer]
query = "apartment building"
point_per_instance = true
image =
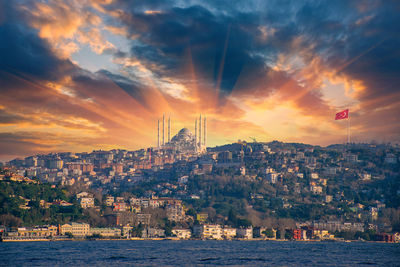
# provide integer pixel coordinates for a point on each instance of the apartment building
(182, 233)
(208, 231)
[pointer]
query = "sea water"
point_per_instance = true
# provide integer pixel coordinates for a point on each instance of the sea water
(198, 253)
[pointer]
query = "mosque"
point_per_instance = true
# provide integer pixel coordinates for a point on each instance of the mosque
(184, 141)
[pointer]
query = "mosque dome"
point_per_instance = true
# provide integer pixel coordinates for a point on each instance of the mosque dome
(185, 131)
(184, 135)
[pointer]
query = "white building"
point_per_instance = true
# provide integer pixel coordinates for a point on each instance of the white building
(316, 189)
(272, 177)
(183, 179)
(149, 232)
(228, 233)
(182, 233)
(366, 176)
(86, 202)
(106, 232)
(328, 198)
(246, 233)
(83, 194)
(208, 231)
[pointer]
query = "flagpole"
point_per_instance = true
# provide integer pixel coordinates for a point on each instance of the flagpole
(348, 128)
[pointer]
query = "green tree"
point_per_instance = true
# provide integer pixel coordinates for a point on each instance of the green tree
(268, 233)
(168, 226)
(137, 231)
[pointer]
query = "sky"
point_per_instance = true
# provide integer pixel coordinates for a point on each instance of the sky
(79, 75)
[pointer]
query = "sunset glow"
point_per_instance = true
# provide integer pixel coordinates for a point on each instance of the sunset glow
(82, 75)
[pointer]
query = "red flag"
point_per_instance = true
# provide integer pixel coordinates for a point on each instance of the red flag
(342, 115)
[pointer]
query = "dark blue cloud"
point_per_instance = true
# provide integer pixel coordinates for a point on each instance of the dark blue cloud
(219, 46)
(366, 49)
(338, 32)
(23, 52)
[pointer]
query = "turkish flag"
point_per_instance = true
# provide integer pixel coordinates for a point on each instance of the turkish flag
(342, 115)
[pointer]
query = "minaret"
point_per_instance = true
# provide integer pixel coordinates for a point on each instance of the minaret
(205, 133)
(158, 133)
(169, 129)
(163, 129)
(195, 135)
(200, 133)
(150, 156)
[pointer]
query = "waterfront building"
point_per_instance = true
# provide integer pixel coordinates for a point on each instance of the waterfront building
(321, 234)
(106, 232)
(149, 232)
(246, 233)
(333, 226)
(44, 231)
(386, 238)
(208, 231)
(300, 234)
(76, 229)
(126, 230)
(228, 233)
(182, 233)
(259, 231)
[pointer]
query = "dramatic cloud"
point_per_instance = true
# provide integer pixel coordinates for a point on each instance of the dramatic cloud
(77, 75)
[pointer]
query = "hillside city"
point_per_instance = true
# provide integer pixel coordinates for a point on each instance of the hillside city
(182, 189)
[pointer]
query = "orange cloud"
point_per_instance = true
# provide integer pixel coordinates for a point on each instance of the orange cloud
(68, 25)
(153, 12)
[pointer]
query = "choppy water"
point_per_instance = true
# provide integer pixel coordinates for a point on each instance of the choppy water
(198, 253)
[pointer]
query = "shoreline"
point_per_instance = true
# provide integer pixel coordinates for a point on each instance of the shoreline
(178, 239)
